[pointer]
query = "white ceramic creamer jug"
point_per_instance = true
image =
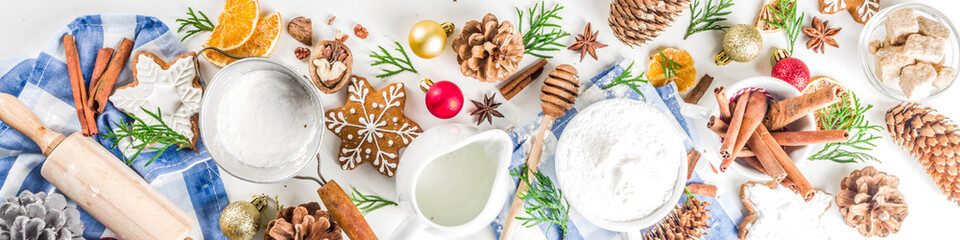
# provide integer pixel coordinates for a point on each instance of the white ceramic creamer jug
(452, 180)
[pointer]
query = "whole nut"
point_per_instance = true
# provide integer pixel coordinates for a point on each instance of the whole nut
(301, 29)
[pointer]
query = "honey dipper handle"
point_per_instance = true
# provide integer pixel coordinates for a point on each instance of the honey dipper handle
(345, 212)
(16, 115)
(533, 161)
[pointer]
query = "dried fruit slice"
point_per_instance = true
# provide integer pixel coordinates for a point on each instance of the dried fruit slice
(821, 83)
(684, 76)
(236, 24)
(260, 44)
(765, 13)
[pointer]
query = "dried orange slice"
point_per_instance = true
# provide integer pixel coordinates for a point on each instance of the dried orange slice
(235, 25)
(821, 83)
(683, 75)
(765, 13)
(261, 44)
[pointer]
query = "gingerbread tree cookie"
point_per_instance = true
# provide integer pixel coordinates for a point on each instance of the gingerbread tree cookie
(371, 126)
(861, 10)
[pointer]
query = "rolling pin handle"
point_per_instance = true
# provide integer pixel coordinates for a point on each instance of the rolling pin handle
(16, 115)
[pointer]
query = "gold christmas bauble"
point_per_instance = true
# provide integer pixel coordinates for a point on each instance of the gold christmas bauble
(240, 220)
(428, 38)
(742, 42)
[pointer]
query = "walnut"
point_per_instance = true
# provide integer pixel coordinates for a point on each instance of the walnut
(330, 65)
(360, 31)
(301, 52)
(301, 29)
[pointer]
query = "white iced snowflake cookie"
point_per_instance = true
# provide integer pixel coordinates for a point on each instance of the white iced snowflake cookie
(776, 212)
(170, 89)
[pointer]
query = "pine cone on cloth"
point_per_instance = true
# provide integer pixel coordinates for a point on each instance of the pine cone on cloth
(635, 22)
(933, 140)
(870, 201)
(686, 222)
(304, 222)
(39, 216)
(489, 50)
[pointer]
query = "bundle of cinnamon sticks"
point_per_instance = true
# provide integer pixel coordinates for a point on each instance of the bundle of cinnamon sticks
(745, 124)
(106, 69)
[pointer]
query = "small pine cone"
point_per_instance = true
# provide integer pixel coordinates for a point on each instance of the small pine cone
(933, 140)
(304, 222)
(686, 221)
(489, 51)
(870, 201)
(635, 22)
(560, 90)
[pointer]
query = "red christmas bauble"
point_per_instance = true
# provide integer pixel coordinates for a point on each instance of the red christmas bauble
(792, 71)
(444, 99)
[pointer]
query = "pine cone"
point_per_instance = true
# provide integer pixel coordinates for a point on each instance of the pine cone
(635, 22)
(304, 222)
(39, 216)
(488, 51)
(933, 140)
(870, 201)
(688, 222)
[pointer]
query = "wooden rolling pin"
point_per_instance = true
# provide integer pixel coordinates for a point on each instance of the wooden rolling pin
(97, 181)
(559, 92)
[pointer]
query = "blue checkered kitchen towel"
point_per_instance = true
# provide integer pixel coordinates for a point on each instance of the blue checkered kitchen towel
(665, 98)
(189, 178)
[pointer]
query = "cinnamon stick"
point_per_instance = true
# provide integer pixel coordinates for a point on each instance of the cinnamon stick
(107, 81)
(753, 162)
(746, 152)
(733, 131)
(77, 84)
(793, 173)
(717, 125)
(800, 138)
(766, 158)
(692, 157)
(702, 189)
(786, 111)
(697, 92)
(519, 81)
(723, 101)
(755, 112)
(103, 59)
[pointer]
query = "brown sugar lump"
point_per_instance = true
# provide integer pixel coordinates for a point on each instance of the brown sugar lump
(889, 61)
(916, 80)
(874, 46)
(901, 24)
(945, 76)
(929, 27)
(924, 48)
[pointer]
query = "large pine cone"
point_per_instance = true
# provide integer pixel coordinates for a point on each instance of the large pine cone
(870, 201)
(39, 216)
(304, 222)
(933, 140)
(635, 22)
(488, 51)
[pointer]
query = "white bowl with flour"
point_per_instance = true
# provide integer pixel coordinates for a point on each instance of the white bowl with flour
(621, 164)
(261, 120)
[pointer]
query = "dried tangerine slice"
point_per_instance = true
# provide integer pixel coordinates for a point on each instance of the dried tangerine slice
(821, 83)
(261, 44)
(684, 76)
(235, 25)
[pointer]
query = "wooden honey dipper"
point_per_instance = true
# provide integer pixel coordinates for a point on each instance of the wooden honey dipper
(559, 92)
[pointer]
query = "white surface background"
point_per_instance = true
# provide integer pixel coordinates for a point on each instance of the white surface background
(28, 25)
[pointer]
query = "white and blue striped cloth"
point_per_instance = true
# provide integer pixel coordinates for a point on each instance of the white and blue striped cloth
(665, 98)
(189, 178)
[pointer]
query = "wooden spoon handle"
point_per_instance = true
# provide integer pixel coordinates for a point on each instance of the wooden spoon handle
(533, 161)
(345, 212)
(16, 115)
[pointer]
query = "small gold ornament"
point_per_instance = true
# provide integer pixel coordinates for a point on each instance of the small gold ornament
(428, 38)
(240, 220)
(741, 43)
(777, 55)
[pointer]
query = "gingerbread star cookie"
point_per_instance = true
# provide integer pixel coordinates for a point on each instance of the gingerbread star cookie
(171, 90)
(861, 10)
(371, 126)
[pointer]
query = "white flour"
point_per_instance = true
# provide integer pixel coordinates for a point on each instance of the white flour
(620, 160)
(782, 214)
(265, 119)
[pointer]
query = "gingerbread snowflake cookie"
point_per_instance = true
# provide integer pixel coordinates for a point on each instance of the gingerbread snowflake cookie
(170, 89)
(861, 10)
(371, 126)
(776, 212)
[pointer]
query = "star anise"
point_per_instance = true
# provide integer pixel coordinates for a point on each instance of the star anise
(820, 35)
(587, 43)
(486, 110)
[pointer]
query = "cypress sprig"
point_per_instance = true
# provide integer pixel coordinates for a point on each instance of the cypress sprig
(152, 137)
(790, 22)
(544, 201)
(402, 64)
(705, 19)
(369, 203)
(198, 24)
(542, 36)
(848, 115)
(626, 78)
